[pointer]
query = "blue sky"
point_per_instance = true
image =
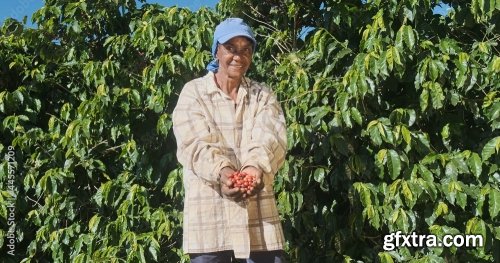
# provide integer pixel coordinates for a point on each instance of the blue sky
(19, 8)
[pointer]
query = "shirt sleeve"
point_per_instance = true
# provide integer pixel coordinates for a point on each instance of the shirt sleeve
(267, 147)
(198, 148)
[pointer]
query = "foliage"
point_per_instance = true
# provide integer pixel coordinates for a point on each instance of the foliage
(393, 120)
(393, 116)
(86, 101)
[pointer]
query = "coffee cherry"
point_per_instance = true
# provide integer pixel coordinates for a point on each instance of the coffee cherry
(242, 180)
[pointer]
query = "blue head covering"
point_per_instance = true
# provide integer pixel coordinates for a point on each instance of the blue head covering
(227, 29)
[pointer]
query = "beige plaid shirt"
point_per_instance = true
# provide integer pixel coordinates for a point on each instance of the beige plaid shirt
(213, 131)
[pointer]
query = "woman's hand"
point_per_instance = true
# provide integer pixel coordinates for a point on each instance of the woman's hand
(258, 183)
(226, 186)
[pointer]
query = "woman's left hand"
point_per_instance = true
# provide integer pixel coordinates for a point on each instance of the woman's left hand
(258, 183)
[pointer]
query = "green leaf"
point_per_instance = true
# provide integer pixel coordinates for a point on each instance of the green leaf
(494, 201)
(495, 62)
(381, 156)
(476, 226)
(140, 255)
(430, 188)
(445, 134)
(409, 37)
(393, 164)
(462, 199)
(76, 27)
(491, 147)
(437, 95)
(385, 257)
(396, 56)
(298, 201)
(356, 115)
(374, 133)
(173, 182)
(480, 198)
(319, 175)
(364, 193)
(424, 99)
(400, 218)
(406, 135)
(496, 232)
(18, 95)
(318, 113)
(408, 194)
(154, 248)
(450, 189)
(475, 164)
(373, 216)
(389, 58)
(284, 203)
(382, 64)
(342, 101)
(399, 37)
(441, 209)
(386, 132)
(94, 223)
(346, 117)
(164, 124)
(451, 170)
(433, 70)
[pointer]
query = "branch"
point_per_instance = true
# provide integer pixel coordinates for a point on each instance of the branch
(260, 21)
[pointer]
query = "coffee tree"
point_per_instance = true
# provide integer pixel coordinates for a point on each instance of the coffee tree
(393, 124)
(393, 120)
(86, 101)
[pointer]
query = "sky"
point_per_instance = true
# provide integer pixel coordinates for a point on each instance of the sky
(19, 8)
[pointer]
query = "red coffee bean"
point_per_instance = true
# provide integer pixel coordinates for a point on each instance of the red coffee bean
(244, 181)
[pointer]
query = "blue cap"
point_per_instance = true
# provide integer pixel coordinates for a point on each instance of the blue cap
(227, 29)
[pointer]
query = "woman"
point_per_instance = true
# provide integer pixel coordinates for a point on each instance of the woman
(226, 123)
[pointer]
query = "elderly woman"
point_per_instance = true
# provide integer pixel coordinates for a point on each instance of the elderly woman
(226, 123)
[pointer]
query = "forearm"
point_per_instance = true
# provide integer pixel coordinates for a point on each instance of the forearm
(269, 157)
(267, 147)
(204, 159)
(198, 147)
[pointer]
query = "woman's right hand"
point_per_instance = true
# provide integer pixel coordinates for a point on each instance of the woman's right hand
(226, 186)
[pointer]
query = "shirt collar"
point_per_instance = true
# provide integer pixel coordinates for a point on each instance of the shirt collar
(212, 86)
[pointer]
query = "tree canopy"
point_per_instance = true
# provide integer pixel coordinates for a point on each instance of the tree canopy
(393, 117)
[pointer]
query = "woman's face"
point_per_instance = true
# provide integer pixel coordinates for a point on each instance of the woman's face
(235, 56)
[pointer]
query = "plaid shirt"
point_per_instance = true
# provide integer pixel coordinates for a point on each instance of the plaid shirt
(213, 131)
